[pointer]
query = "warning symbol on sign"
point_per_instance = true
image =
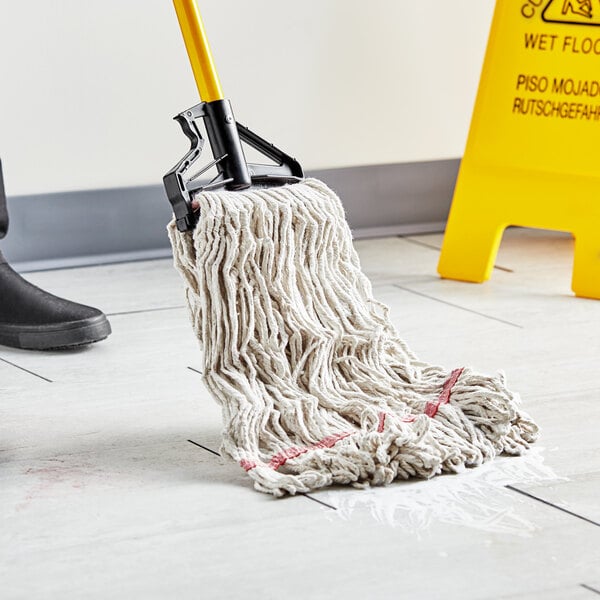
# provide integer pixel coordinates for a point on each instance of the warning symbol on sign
(573, 12)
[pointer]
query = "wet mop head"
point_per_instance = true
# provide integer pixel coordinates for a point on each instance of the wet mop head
(315, 384)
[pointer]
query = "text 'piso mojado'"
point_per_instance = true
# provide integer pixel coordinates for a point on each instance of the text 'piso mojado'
(569, 109)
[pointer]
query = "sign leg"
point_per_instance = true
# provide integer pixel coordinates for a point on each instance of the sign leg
(586, 267)
(471, 242)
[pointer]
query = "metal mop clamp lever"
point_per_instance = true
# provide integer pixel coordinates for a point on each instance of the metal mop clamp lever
(233, 172)
(224, 134)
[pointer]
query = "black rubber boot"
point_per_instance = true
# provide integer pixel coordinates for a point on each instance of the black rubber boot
(33, 319)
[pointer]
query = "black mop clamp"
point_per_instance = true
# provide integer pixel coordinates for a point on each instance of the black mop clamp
(233, 172)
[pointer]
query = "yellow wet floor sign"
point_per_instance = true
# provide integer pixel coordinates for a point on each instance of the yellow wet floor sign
(533, 153)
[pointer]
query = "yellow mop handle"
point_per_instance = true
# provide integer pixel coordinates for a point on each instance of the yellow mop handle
(198, 50)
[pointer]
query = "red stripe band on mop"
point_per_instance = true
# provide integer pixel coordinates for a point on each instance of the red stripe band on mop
(247, 465)
(431, 409)
(290, 453)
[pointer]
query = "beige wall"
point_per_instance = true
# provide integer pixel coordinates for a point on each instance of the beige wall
(88, 88)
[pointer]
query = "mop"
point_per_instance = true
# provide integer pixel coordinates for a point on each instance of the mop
(316, 387)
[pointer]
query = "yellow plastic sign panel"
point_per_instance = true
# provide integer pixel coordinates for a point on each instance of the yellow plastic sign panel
(533, 153)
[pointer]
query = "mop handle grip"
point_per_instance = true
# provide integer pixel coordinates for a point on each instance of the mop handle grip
(198, 49)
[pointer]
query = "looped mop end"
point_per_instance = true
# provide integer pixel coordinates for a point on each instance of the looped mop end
(315, 385)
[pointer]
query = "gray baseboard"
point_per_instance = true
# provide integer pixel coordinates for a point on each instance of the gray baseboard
(49, 231)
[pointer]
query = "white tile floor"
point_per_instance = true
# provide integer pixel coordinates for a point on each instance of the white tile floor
(104, 495)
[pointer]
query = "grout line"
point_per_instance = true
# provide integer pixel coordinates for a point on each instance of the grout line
(204, 447)
(319, 501)
(505, 269)
(432, 247)
(26, 370)
(419, 243)
(196, 371)
(145, 310)
(589, 588)
(475, 312)
(548, 503)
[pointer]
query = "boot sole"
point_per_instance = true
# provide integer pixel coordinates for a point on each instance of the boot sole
(61, 336)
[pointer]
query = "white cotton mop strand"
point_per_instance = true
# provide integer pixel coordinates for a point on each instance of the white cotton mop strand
(316, 387)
